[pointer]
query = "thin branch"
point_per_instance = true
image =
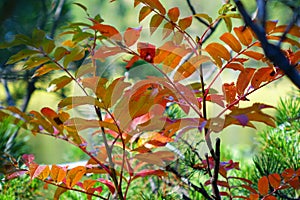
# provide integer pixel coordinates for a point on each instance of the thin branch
(214, 180)
(288, 28)
(194, 12)
(186, 181)
(272, 52)
(208, 166)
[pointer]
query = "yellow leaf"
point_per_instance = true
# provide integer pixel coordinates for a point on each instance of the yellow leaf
(155, 22)
(74, 176)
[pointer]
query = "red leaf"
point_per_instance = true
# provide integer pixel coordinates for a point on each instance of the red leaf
(253, 54)
(274, 180)
(28, 159)
(263, 185)
(131, 61)
(247, 187)
(107, 31)
(173, 14)
(147, 172)
(270, 197)
(185, 23)
(243, 80)
(265, 74)
(254, 196)
(131, 35)
(229, 91)
(108, 183)
(235, 66)
(147, 51)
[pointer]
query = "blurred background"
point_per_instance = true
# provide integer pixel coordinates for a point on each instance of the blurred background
(17, 88)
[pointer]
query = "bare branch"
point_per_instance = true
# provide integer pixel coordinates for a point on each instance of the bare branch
(214, 180)
(194, 12)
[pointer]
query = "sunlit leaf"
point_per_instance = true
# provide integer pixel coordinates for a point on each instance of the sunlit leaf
(75, 54)
(104, 52)
(58, 83)
(144, 12)
(185, 23)
(228, 23)
(218, 51)
(74, 175)
(131, 35)
(167, 30)
(81, 124)
(155, 22)
(295, 30)
(131, 62)
(270, 26)
(40, 120)
(173, 14)
(243, 80)
(231, 41)
(45, 172)
(244, 35)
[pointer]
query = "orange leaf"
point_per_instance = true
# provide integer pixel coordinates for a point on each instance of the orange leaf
(155, 158)
(164, 51)
(189, 67)
(58, 83)
(59, 191)
(74, 175)
(144, 12)
(229, 39)
(253, 54)
(155, 4)
(58, 173)
(229, 91)
(263, 185)
(155, 22)
(218, 51)
(235, 66)
(295, 30)
(274, 180)
(131, 61)
(262, 75)
(107, 31)
(131, 35)
(147, 51)
(243, 80)
(71, 102)
(45, 173)
(185, 23)
(270, 26)
(173, 58)
(173, 14)
(45, 69)
(87, 184)
(244, 35)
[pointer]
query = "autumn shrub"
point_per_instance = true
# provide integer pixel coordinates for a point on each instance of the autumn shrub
(148, 132)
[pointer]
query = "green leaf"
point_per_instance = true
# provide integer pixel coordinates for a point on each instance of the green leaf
(58, 83)
(35, 61)
(204, 16)
(71, 102)
(75, 54)
(60, 52)
(48, 46)
(38, 37)
(21, 55)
